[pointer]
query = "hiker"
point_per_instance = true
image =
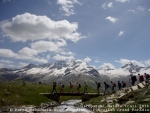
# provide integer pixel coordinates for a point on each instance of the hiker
(98, 86)
(133, 79)
(113, 86)
(71, 87)
(106, 87)
(119, 85)
(146, 76)
(85, 87)
(61, 88)
(141, 78)
(78, 87)
(123, 84)
(54, 87)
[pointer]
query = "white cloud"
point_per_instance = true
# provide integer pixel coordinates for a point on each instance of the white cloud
(87, 59)
(97, 61)
(111, 19)
(147, 62)
(107, 66)
(149, 10)
(121, 33)
(110, 5)
(22, 64)
(126, 61)
(6, 61)
(67, 53)
(7, 53)
(48, 57)
(24, 54)
(32, 27)
(43, 46)
(61, 57)
(132, 11)
(105, 6)
(27, 52)
(122, 1)
(67, 6)
(140, 8)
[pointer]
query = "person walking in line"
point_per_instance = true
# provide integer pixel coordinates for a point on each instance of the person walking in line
(141, 78)
(146, 76)
(78, 87)
(133, 79)
(71, 87)
(85, 87)
(123, 84)
(113, 86)
(119, 85)
(54, 87)
(61, 88)
(106, 87)
(98, 86)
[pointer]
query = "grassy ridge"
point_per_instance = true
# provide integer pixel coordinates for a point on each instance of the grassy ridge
(18, 94)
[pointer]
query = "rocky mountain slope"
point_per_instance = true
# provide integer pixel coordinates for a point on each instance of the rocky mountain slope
(75, 70)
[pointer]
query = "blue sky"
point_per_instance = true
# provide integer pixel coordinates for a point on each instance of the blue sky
(101, 32)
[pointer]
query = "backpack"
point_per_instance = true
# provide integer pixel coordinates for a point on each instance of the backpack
(99, 85)
(141, 78)
(79, 85)
(135, 78)
(147, 76)
(124, 84)
(63, 85)
(114, 84)
(71, 85)
(107, 85)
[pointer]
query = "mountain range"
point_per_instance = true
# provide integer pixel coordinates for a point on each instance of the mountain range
(71, 71)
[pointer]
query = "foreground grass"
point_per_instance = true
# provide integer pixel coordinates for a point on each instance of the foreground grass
(18, 94)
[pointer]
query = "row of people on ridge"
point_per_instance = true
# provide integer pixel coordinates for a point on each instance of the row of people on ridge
(106, 86)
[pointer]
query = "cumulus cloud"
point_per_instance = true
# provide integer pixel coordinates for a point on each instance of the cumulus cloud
(126, 61)
(24, 54)
(32, 27)
(122, 1)
(87, 59)
(61, 57)
(67, 6)
(147, 62)
(140, 8)
(6, 61)
(105, 5)
(149, 10)
(107, 66)
(111, 19)
(121, 33)
(43, 46)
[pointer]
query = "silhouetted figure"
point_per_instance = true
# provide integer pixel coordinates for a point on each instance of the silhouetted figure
(78, 87)
(98, 86)
(106, 87)
(133, 79)
(71, 87)
(123, 84)
(54, 87)
(119, 85)
(113, 86)
(85, 87)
